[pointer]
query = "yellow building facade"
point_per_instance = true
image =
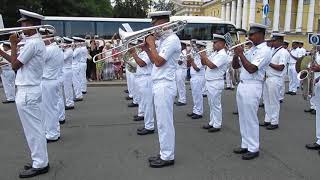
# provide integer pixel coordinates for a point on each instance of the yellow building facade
(296, 18)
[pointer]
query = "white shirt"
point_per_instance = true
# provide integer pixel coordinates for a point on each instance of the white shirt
(53, 62)
(302, 51)
(317, 74)
(279, 57)
(197, 62)
(145, 70)
(220, 59)
(84, 54)
(182, 58)
(6, 66)
(169, 48)
(259, 56)
(32, 57)
(76, 56)
(295, 53)
(68, 58)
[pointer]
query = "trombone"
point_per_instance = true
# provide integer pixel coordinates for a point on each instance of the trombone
(19, 30)
(131, 37)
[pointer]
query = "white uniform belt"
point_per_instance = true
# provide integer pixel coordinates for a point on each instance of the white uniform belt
(251, 81)
(46, 79)
(290, 63)
(162, 81)
(142, 75)
(219, 79)
(28, 87)
(274, 76)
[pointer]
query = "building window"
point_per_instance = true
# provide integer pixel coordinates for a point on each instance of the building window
(306, 1)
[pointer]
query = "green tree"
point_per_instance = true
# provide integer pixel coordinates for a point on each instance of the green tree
(131, 8)
(164, 5)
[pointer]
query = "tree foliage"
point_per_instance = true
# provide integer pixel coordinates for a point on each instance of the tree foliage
(164, 5)
(131, 8)
(98, 8)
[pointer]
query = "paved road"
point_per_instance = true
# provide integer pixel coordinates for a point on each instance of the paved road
(99, 141)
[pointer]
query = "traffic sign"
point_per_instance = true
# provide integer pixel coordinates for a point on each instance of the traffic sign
(314, 39)
(266, 9)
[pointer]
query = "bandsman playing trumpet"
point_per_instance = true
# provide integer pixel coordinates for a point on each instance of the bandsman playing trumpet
(181, 75)
(29, 66)
(8, 76)
(274, 79)
(253, 66)
(197, 71)
(217, 64)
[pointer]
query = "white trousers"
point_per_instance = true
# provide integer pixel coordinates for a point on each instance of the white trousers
(293, 80)
(214, 100)
(181, 75)
(83, 77)
(248, 96)
(271, 96)
(282, 88)
(28, 101)
(67, 87)
(61, 105)
(76, 75)
(129, 77)
(164, 93)
(137, 98)
(146, 101)
(197, 83)
(134, 87)
(8, 78)
(229, 78)
(50, 108)
(317, 102)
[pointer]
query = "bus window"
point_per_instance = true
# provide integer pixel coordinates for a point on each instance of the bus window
(58, 25)
(107, 29)
(136, 26)
(79, 28)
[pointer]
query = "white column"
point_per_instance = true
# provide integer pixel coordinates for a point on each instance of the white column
(276, 14)
(245, 14)
(299, 16)
(228, 12)
(223, 11)
(239, 10)
(233, 11)
(311, 16)
(287, 22)
(252, 14)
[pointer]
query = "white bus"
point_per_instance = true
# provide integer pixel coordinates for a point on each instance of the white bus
(199, 27)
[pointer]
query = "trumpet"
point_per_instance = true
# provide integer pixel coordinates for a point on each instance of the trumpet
(132, 37)
(19, 30)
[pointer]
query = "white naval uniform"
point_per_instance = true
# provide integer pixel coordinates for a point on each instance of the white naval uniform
(8, 76)
(83, 68)
(61, 105)
(272, 86)
(67, 77)
(316, 75)
(181, 75)
(292, 73)
(129, 77)
(28, 98)
(164, 91)
(50, 91)
(76, 73)
(197, 83)
(215, 85)
(317, 102)
(249, 92)
(283, 85)
(144, 89)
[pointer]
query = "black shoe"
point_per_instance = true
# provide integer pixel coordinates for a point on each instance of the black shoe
(250, 155)
(159, 163)
(272, 127)
(235, 113)
(78, 99)
(153, 158)
(129, 98)
(190, 114)
(213, 129)
(261, 105)
(52, 141)
(126, 91)
(264, 124)
(289, 92)
(69, 107)
(135, 116)
(27, 166)
(139, 118)
(293, 93)
(240, 150)
(228, 88)
(7, 102)
(196, 116)
(180, 104)
(308, 110)
(314, 112)
(140, 128)
(281, 101)
(133, 105)
(84, 92)
(207, 126)
(144, 131)
(33, 172)
(313, 146)
(204, 95)
(62, 122)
